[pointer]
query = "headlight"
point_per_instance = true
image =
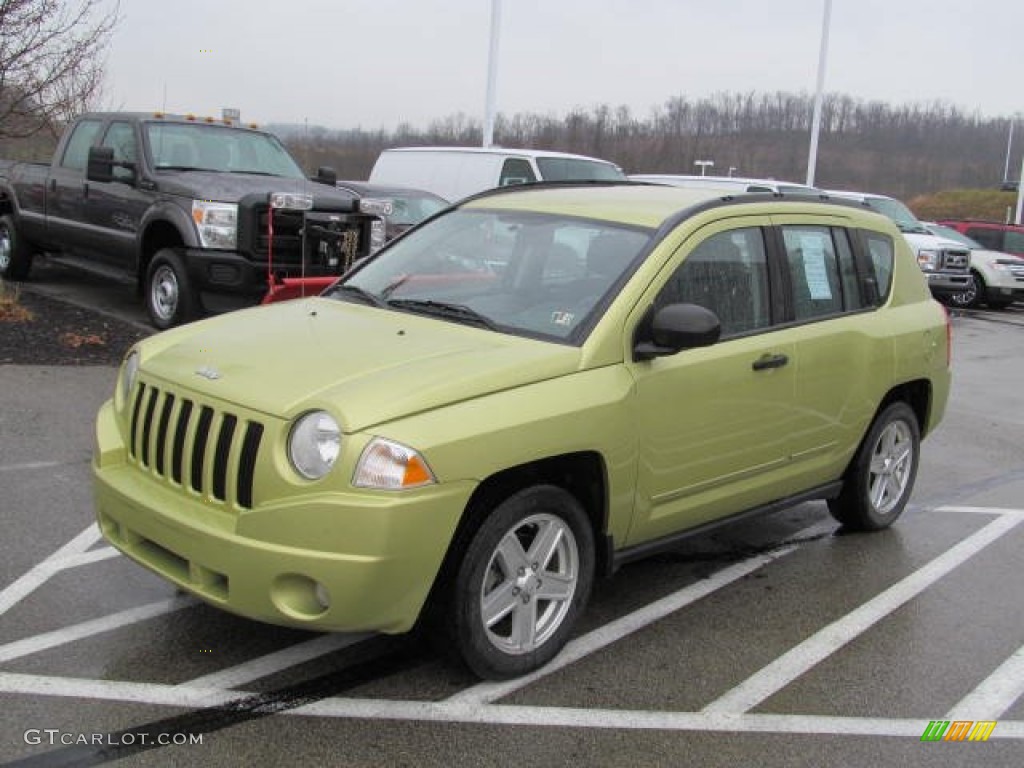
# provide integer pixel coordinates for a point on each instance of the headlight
(314, 444)
(390, 466)
(217, 224)
(129, 372)
(378, 235)
(928, 260)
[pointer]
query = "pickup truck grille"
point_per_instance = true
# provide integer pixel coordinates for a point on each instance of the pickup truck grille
(955, 260)
(328, 243)
(193, 446)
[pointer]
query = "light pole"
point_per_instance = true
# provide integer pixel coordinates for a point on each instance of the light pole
(492, 74)
(704, 165)
(812, 156)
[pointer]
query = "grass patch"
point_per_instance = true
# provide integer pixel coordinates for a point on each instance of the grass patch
(11, 308)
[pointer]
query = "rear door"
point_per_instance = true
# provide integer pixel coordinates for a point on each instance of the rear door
(829, 296)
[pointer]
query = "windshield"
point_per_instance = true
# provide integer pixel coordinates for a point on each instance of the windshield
(412, 209)
(199, 147)
(898, 212)
(531, 274)
(577, 169)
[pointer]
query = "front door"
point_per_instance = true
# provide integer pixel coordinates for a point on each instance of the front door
(714, 423)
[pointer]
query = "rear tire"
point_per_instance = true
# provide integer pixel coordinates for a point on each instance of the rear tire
(524, 579)
(880, 479)
(15, 252)
(170, 297)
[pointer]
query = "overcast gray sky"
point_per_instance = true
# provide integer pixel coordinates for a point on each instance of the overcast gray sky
(375, 63)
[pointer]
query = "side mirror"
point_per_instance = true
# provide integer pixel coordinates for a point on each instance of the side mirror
(326, 175)
(676, 327)
(100, 164)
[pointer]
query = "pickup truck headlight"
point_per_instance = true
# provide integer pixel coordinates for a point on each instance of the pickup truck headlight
(389, 466)
(217, 224)
(314, 444)
(928, 260)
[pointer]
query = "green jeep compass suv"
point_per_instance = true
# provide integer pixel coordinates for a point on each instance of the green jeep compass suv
(518, 396)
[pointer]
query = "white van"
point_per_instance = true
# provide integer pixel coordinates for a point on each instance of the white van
(725, 183)
(457, 172)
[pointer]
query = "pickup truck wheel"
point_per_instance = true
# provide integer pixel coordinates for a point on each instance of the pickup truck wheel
(524, 579)
(879, 481)
(170, 297)
(973, 296)
(15, 253)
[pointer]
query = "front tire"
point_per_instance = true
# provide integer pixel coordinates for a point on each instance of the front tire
(523, 581)
(15, 253)
(170, 297)
(880, 479)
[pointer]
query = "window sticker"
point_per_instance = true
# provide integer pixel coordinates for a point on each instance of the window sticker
(562, 318)
(814, 267)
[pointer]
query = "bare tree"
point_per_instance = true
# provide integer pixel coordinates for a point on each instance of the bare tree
(51, 61)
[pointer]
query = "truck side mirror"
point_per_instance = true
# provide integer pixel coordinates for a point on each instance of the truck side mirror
(101, 164)
(326, 175)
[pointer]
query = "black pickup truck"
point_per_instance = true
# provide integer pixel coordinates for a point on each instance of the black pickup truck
(201, 213)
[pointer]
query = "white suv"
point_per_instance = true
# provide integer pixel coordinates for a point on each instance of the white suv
(998, 278)
(945, 263)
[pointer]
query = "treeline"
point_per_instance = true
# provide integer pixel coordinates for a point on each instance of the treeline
(903, 151)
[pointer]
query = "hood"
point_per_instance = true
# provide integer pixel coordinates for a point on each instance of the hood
(366, 365)
(928, 240)
(232, 187)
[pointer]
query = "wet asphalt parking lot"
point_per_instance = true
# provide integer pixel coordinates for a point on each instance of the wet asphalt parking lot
(777, 642)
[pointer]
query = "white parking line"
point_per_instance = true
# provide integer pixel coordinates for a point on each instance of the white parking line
(995, 694)
(490, 714)
(39, 574)
(30, 465)
(828, 640)
(630, 623)
(47, 640)
(477, 704)
(271, 663)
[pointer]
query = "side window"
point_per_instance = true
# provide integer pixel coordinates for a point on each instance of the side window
(516, 170)
(1014, 242)
(814, 271)
(121, 138)
(728, 274)
(76, 153)
(990, 238)
(880, 255)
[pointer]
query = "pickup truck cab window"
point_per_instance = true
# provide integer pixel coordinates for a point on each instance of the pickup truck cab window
(76, 153)
(197, 147)
(120, 137)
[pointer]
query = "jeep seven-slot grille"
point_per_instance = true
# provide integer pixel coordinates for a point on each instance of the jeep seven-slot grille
(191, 444)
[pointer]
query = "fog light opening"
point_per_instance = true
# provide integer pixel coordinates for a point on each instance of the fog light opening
(299, 597)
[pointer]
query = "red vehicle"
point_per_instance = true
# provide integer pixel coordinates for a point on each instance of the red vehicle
(994, 235)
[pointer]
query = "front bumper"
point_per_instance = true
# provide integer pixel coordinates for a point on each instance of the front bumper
(374, 561)
(948, 283)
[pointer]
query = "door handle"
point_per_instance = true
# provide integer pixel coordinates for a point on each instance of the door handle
(769, 361)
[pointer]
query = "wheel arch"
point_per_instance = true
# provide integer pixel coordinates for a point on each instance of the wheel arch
(917, 394)
(159, 234)
(582, 474)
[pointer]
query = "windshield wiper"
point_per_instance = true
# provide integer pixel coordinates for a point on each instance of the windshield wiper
(354, 290)
(458, 312)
